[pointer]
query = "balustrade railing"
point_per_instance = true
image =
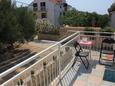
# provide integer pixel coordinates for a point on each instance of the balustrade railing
(51, 64)
(96, 38)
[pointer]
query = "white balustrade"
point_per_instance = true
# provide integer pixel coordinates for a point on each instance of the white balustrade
(48, 70)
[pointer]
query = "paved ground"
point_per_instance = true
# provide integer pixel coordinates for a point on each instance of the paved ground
(37, 46)
(79, 76)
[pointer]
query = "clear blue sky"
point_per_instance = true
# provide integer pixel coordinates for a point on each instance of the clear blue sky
(99, 6)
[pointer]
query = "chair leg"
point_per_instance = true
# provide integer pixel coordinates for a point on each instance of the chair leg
(84, 63)
(100, 59)
(87, 63)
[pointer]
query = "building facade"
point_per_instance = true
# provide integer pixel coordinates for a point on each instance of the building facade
(111, 11)
(49, 9)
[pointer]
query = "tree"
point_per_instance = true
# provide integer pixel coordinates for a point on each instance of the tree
(9, 27)
(26, 20)
(79, 18)
(16, 24)
(103, 20)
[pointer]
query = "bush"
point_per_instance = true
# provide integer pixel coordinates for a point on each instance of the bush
(107, 29)
(44, 27)
(88, 31)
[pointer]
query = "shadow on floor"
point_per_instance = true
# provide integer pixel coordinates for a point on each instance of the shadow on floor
(74, 72)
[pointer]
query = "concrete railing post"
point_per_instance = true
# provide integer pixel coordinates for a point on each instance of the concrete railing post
(59, 57)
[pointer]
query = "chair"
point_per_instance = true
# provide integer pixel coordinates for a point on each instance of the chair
(109, 55)
(81, 54)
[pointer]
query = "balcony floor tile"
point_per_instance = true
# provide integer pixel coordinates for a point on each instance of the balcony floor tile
(79, 76)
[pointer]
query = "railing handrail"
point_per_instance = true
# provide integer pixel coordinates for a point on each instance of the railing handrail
(34, 57)
(27, 68)
(98, 32)
(113, 33)
(70, 38)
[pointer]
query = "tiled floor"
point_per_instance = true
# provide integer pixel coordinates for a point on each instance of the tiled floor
(79, 76)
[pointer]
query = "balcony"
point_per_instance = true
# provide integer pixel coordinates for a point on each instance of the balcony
(43, 8)
(35, 7)
(53, 66)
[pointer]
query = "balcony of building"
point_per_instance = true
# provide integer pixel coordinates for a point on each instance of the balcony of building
(53, 66)
(43, 8)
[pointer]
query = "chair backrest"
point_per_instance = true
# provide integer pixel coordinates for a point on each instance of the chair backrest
(77, 47)
(109, 41)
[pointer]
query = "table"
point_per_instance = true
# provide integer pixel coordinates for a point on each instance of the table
(88, 44)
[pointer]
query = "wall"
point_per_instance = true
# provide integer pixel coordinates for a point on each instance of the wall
(53, 10)
(80, 28)
(113, 19)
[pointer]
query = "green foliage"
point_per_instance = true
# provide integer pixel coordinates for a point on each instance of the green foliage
(107, 29)
(112, 8)
(16, 24)
(27, 23)
(102, 20)
(78, 18)
(43, 26)
(9, 26)
(88, 31)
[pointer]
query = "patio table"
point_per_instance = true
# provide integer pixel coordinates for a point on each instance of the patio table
(87, 44)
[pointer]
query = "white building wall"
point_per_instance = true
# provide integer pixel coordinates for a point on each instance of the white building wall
(53, 10)
(113, 19)
(50, 13)
(57, 11)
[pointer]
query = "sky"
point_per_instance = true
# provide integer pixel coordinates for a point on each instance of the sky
(98, 6)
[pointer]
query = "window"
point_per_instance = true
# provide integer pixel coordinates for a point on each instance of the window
(65, 5)
(43, 15)
(42, 4)
(35, 6)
